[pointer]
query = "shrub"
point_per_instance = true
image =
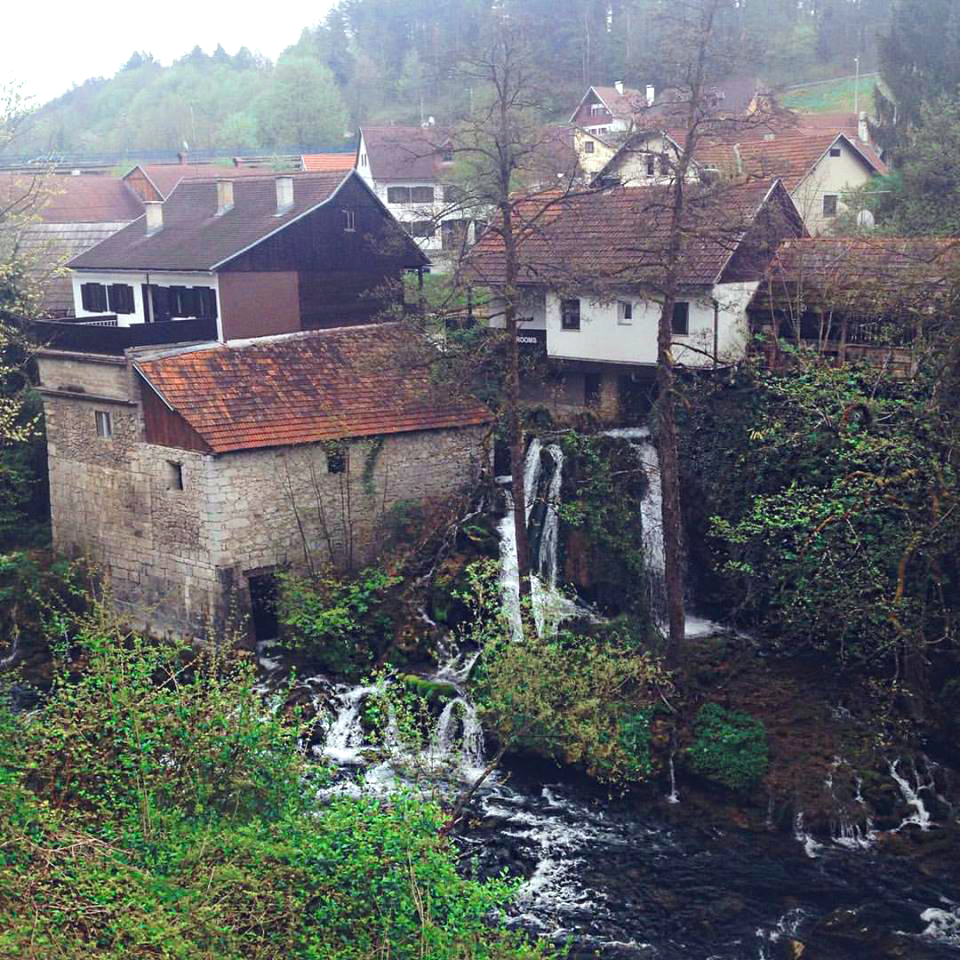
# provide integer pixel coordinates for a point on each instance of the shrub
(341, 624)
(729, 747)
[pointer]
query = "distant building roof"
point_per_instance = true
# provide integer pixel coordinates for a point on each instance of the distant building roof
(620, 235)
(194, 238)
(166, 176)
(863, 275)
(404, 153)
(327, 162)
(303, 388)
(62, 198)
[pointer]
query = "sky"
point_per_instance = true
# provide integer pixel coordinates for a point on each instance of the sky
(56, 44)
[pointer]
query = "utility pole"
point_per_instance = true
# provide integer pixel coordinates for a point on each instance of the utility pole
(856, 90)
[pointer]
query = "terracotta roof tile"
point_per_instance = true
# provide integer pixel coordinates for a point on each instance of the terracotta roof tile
(166, 176)
(862, 274)
(303, 388)
(327, 162)
(86, 198)
(621, 234)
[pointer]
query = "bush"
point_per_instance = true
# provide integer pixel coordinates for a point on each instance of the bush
(729, 747)
(341, 624)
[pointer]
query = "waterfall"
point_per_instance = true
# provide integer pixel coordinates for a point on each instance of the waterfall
(673, 796)
(345, 737)
(471, 743)
(911, 795)
(13, 653)
(532, 466)
(547, 550)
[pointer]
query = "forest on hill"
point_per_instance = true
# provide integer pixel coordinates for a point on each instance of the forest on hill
(396, 61)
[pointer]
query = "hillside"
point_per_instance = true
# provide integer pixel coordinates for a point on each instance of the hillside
(396, 60)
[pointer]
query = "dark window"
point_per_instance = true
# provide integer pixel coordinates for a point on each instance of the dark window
(835, 151)
(120, 296)
(570, 314)
(336, 458)
(104, 423)
(830, 205)
(421, 194)
(447, 155)
(206, 303)
(651, 164)
(624, 311)
(160, 301)
(264, 595)
(174, 475)
(93, 297)
(588, 146)
(421, 228)
(184, 301)
(398, 194)
(349, 221)
(681, 318)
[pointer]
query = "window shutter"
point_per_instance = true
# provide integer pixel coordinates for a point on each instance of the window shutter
(120, 296)
(160, 297)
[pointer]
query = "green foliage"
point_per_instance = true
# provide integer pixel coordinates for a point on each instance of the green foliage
(342, 624)
(579, 700)
(826, 499)
(604, 485)
(729, 747)
(155, 808)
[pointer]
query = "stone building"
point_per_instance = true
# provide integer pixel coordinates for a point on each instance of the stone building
(190, 474)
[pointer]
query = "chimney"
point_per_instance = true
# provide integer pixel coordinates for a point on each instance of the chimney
(154, 211)
(651, 94)
(863, 128)
(224, 196)
(618, 86)
(284, 195)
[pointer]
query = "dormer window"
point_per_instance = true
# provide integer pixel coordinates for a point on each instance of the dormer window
(349, 221)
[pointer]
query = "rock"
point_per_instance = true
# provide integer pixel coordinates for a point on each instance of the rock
(577, 562)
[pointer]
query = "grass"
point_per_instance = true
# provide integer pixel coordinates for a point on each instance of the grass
(832, 95)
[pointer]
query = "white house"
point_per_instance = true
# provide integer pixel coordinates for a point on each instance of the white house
(406, 167)
(592, 276)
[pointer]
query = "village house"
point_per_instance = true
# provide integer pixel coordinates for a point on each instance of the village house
(191, 474)
(818, 167)
(857, 298)
(591, 269)
(251, 256)
(408, 169)
(53, 217)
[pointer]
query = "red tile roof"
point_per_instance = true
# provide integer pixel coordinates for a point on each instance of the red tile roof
(60, 198)
(404, 153)
(303, 388)
(327, 162)
(862, 274)
(166, 176)
(620, 235)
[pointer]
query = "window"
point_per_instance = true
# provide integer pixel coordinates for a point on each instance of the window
(588, 146)
(624, 311)
(336, 452)
(349, 221)
(421, 194)
(104, 424)
(206, 303)
(420, 228)
(597, 109)
(829, 204)
(398, 194)
(363, 159)
(181, 302)
(447, 155)
(160, 301)
(93, 297)
(835, 151)
(651, 164)
(174, 475)
(120, 296)
(570, 314)
(681, 318)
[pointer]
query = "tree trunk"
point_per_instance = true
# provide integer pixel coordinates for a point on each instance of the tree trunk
(670, 486)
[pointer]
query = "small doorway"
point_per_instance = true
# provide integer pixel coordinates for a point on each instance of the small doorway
(264, 595)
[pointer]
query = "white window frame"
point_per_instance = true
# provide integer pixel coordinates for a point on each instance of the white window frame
(625, 312)
(349, 221)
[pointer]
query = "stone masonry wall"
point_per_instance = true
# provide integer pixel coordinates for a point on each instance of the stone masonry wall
(177, 559)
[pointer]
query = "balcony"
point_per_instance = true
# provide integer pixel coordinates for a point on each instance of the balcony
(102, 335)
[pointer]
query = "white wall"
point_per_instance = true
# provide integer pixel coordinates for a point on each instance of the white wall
(136, 280)
(604, 337)
(631, 165)
(832, 175)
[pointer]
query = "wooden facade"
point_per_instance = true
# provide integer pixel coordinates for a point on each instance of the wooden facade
(165, 427)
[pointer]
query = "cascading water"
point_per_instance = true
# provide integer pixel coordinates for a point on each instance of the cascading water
(911, 795)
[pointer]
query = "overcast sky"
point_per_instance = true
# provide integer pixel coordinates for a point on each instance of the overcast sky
(55, 44)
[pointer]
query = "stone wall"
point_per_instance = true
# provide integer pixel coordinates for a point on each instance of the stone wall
(176, 559)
